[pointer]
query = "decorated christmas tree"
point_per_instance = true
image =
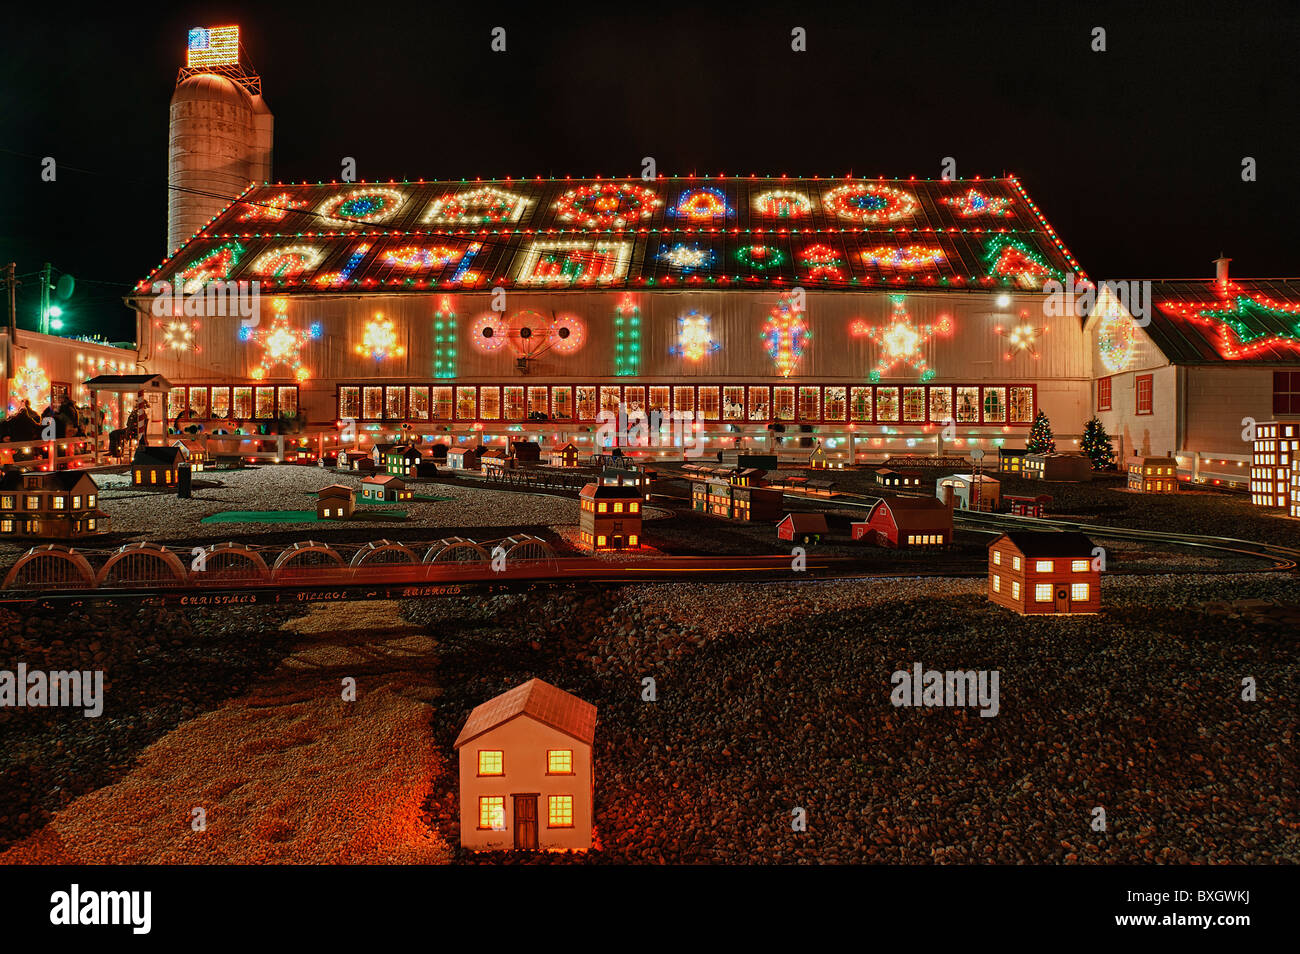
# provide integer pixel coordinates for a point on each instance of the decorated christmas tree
(1040, 439)
(1096, 444)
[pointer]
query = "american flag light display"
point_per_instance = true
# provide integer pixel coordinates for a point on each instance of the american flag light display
(213, 46)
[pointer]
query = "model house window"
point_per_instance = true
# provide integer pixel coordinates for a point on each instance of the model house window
(603, 507)
(1103, 394)
(33, 502)
(76, 502)
(1043, 592)
(1143, 385)
(618, 507)
(559, 762)
(1079, 566)
(997, 557)
(633, 507)
(632, 540)
(490, 762)
(1015, 563)
(328, 512)
(90, 524)
(1043, 566)
(59, 502)
(997, 584)
(1015, 589)
(1079, 591)
(600, 540)
(560, 811)
(492, 812)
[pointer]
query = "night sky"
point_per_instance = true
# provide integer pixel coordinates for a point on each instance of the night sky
(1134, 154)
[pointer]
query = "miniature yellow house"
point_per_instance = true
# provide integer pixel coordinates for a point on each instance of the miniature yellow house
(525, 771)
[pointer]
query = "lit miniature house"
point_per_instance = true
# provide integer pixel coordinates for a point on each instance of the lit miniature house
(722, 498)
(622, 473)
(906, 523)
(609, 517)
(1153, 475)
(385, 488)
(379, 455)
(526, 778)
(970, 493)
(805, 528)
(496, 462)
(1272, 463)
(820, 460)
(564, 456)
(1044, 573)
(155, 466)
(1022, 505)
(403, 460)
(61, 505)
(1056, 467)
(1010, 461)
(359, 461)
(464, 458)
(193, 453)
(335, 502)
(899, 479)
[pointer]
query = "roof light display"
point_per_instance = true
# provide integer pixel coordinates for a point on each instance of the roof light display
(786, 335)
(1012, 258)
(368, 205)
(273, 209)
(214, 265)
(704, 204)
(1241, 322)
(686, 257)
(870, 203)
(973, 202)
(286, 263)
(783, 204)
(906, 257)
(574, 262)
(485, 205)
(760, 257)
(607, 204)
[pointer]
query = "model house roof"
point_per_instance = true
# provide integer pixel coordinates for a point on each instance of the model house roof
(1031, 498)
(1207, 322)
(404, 450)
(970, 478)
(919, 513)
(314, 238)
(335, 490)
(1012, 452)
(66, 480)
(386, 480)
(539, 700)
(1048, 544)
(564, 447)
(805, 522)
(156, 455)
(610, 492)
(887, 471)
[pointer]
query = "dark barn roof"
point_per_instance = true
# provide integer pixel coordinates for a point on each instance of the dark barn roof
(1206, 322)
(720, 232)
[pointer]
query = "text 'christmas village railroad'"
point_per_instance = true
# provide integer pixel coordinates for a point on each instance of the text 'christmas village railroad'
(555, 476)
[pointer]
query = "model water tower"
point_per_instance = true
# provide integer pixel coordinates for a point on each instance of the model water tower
(220, 136)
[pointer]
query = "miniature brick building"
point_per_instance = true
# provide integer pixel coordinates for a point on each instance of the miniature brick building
(1011, 461)
(192, 453)
(403, 460)
(525, 771)
(335, 502)
(464, 458)
(1153, 475)
(905, 523)
(1022, 505)
(802, 528)
(1056, 467)
(898, 479)
(384, 488)
(495, 462)
(970, 493)
(721, 498)
(526, 452)
(155, 466)
(1044, 573)
(1273, 458)
(609, 517)
(62, 505)
(564, 456)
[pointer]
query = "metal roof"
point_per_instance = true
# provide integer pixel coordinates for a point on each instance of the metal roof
(1207, 322)
(626, 233)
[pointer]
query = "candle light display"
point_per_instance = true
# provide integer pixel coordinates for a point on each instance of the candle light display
(973, 202)
(694, 337)
(902, 341)
(379, 340)
(607, 204)
(870, 203)
(783, 204)
(368, 205)
(281, 344)
(786, 335)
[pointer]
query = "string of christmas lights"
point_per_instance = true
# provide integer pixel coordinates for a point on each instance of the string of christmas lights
(870, 203)
(487, 205)
(907, 257)
(704, 204)
(1240, 322)
(973, 202)
(286, 263)
(335, 279)
(607, 204)
(686, 257)
(783, 204)
(379, 340)
(760, 257)
(1021, 337)
(281, 344)
(488, 333)
(444, 340)
(1009, 257)
(901, 341)
(273, 209)
(822, 262)
(786, 335)
(627, 337)
(214, 265)
(369, 205)
(1116, 338)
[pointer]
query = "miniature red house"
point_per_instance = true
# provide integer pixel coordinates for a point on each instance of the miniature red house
(609, 517)
(193, 453)
(525, 771)
(802, 527)
(494, 463)
(565, 455)
(906, 522)
(335, 502)
(528, 452)
(1153, 475)
(1044, 573)
(1020, 505)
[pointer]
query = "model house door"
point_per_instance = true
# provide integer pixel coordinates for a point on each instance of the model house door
(525, 821)
(618, 541)
(1063, 599)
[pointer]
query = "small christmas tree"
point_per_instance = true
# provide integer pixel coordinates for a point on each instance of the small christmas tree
(1096, 444)
(1040, 436)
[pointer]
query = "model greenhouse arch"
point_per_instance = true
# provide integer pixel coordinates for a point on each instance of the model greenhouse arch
(229, 563)
(525, 548)
(51, 566)
(308, 559)
(381, 552)
(142, 564)
(455, 550)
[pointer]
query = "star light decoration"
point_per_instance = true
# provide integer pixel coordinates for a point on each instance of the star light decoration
(974, 202)
(379, 341)
(281, 344)
(902, 341)
(785, 335)
(1241, 321)
(686, 257)
(1021, 337)
(178, 336)
(694, 337)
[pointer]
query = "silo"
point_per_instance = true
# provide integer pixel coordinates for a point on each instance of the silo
(220, 133)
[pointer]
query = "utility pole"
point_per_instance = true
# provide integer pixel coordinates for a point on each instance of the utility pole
(45, 298)
(11, 326)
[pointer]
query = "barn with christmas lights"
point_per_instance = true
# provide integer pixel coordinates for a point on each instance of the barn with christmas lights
(762, 313)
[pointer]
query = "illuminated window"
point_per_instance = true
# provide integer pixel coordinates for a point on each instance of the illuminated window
(1015, 589)
(600, 540)
(76, 503)
(997, 557)
(618, 507)
(603, 507)
(1043, 592)
(490, 762)
(90, 524)
(559, 762)
(492, 812)
(328, 512)
(1043, 566)
(632, 540)
(59, 502)
(1079, 591)
(634, 507)
(1015, 563)
(997, 584)
(1079, 566)
(560, 811)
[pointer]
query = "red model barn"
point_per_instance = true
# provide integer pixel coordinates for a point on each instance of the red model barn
(1021, 505)
(525, 771)
(905, 523)
(802, 527)
(1044, 573)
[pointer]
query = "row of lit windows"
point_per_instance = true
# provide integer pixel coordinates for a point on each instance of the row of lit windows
(602, 540)
(924, 539)
(492, 812)
(1043, 591)
(866, 404)
(238, 403)
(1043, 566)
(33, 502)
(9, 525)
(602, 506)
(153, 476)
(558, 762)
